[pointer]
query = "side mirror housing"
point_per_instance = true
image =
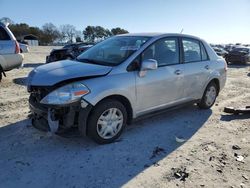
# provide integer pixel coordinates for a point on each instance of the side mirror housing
(148, 64)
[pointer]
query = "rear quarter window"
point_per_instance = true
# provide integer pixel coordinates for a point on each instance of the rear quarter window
(3, 34)
(204, 56)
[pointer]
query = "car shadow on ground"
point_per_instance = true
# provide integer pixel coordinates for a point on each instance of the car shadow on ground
(30, 158)
(20, 81)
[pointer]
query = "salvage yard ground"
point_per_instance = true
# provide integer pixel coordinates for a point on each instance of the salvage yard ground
(147, 154)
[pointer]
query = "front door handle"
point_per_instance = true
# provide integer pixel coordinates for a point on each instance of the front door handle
(207, 67)
(177, 72)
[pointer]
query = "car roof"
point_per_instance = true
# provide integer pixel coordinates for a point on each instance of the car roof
(160, 35)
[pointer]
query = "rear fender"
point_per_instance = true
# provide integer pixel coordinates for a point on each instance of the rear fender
(214, 75)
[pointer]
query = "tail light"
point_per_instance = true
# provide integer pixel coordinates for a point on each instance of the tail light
(17, 47)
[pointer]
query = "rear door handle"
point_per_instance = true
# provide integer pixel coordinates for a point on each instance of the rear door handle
(177, 72)
(207, 67)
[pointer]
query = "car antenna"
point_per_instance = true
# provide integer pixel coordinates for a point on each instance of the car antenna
(181, 31)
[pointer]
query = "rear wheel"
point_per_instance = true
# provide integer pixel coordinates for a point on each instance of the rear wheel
(107, 121)
(209, 96)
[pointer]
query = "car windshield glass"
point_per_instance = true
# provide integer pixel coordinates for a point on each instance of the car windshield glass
(113, 51)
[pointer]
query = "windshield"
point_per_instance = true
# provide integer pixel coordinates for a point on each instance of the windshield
(113, 51)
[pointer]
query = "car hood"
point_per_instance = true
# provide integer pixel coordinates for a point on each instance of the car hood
(60, 71)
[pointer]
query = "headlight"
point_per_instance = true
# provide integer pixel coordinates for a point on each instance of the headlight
(67, 94)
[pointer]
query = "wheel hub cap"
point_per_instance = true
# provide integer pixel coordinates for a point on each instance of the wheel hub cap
(109, 123)
(211, 95)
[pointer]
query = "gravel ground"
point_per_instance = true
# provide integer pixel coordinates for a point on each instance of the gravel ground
(215, 153)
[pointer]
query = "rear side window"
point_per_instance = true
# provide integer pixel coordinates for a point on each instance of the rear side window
(192, 51)
(165, 51)
(3, 34)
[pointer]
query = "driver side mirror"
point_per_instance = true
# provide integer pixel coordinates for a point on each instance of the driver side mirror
(148, 64)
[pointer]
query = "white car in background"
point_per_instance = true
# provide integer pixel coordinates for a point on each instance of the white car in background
(24, 48)
(10, 56)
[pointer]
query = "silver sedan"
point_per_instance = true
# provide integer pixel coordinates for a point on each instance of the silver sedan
(123, 78)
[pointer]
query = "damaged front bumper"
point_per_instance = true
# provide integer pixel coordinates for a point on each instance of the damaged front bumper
(59, 119)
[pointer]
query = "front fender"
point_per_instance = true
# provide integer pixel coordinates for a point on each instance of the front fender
(94, 99)
(118, 84)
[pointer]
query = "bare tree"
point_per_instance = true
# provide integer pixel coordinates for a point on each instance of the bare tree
(50, 32)
(68, 31)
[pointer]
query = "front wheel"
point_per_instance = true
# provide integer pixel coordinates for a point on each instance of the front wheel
(107, 121)
(209, 96)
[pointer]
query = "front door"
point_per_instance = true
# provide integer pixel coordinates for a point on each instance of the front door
(163, 86)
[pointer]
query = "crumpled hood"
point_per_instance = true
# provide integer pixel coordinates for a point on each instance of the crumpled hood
(53, 73)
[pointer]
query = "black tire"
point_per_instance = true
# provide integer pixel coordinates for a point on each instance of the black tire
(204, 104)
(97, 112)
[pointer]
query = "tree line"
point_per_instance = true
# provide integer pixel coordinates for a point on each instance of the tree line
(49, 33)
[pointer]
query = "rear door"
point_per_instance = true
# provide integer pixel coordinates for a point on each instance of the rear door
(163, 86)
(197, 67)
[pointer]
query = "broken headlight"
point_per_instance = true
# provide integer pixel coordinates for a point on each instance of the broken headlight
(66, 94)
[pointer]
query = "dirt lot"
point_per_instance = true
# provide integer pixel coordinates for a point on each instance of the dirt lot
(147, 154)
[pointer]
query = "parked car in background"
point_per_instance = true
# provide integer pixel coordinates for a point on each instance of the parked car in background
(220, 52)
(10, 56)
(24, 48)
(229, 47)
(122, 78)
(69, 51)
(238, 55)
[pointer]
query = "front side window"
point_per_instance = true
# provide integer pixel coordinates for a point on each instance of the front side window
(113, 51)
(164, 51)
(192, 51)
(3, 34)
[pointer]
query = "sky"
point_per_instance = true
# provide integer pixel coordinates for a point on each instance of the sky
(216, 21)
